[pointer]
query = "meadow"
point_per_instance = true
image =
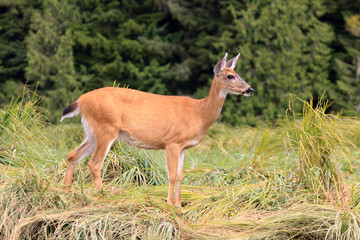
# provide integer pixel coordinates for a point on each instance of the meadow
(296, 179)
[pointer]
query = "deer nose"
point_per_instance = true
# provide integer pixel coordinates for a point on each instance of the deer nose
(249, 91)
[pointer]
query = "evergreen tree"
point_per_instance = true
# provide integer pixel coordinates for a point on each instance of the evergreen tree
(170, 47)
(119, 41)
(50, 53)
(14, 21)
(285, 49)
(347, 69)
(345, 20)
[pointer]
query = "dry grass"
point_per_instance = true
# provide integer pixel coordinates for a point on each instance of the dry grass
(298, 180)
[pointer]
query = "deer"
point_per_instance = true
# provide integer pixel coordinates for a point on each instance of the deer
(149, 121)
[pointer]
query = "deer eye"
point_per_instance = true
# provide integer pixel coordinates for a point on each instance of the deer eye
(230, 76)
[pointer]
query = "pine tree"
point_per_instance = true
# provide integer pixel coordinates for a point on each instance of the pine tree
(170, 47)
(347, 68)
(285, 49)
(50, 53)
(345, 20)
(119, 42)
(14, 21)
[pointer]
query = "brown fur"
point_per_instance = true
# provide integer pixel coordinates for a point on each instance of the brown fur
(147, 120)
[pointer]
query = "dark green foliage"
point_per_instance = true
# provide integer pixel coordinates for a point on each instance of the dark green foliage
(345, 71)
(303, 47)
(285, 50)
(14, 25)
(50, 53)
(115, 42)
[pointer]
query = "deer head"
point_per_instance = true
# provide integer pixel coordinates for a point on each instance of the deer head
(229, 80)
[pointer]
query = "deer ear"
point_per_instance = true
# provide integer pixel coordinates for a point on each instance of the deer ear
(232, 62)
(220, 65)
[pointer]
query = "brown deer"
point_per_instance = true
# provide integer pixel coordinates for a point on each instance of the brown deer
(149, 121)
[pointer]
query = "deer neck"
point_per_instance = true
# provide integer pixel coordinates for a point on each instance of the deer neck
(211, 106)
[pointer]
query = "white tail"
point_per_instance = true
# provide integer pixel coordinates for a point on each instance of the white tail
(149, 121)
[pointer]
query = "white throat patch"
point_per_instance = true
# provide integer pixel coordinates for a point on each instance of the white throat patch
(224, 92)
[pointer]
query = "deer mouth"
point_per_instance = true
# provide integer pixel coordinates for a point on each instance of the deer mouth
(248, 92)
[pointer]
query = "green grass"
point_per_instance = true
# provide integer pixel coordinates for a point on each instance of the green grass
(297, 180)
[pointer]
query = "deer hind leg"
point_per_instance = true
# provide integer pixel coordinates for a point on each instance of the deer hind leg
(75, 156)
(172, 157)
(102, 148)
(179, 178)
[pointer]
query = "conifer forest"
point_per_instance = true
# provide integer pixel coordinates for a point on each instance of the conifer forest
(63, 48)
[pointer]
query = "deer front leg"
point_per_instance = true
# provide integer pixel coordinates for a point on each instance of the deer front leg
(179, 178)
(172, 157)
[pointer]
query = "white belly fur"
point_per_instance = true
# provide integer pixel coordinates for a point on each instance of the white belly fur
(126, 137)
(192, 143)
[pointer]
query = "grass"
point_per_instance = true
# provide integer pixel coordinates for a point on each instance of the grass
(298, 180)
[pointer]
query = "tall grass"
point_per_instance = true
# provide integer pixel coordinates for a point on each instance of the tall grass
(322, 149)
(298, 180)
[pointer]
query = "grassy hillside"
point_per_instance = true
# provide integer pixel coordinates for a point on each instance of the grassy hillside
(296, 180)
